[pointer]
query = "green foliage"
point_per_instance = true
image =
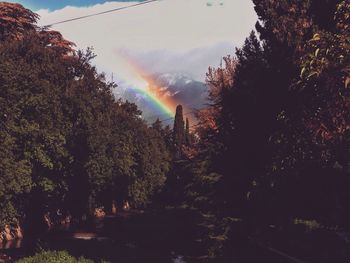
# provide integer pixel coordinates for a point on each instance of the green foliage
(53, 257)
(274, 142)
(152, 164)
(8, 214)
(66, 142)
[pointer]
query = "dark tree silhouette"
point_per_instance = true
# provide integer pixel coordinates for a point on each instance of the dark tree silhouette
(179, 131)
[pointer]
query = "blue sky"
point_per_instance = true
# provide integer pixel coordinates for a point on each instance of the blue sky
(59, 4)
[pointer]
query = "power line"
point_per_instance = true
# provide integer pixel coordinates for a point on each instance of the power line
(101, 13)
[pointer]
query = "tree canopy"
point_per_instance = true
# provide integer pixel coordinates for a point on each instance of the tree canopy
(66, 141)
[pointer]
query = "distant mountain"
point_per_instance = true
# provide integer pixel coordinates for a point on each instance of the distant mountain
(181, 88)
(191, 93)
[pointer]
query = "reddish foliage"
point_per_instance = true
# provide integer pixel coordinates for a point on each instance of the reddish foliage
(55, 39)
(189, 152)
(15, 20)
(218, 80)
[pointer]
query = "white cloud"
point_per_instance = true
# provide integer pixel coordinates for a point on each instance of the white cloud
(193, 62)
(170, 35)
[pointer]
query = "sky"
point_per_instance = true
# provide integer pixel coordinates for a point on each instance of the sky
(55, 4)
(167, 36)
(184, 36)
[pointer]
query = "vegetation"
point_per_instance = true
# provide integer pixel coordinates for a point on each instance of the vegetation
(53, 257)
(273, 144)
(271, 151)
(66, 142)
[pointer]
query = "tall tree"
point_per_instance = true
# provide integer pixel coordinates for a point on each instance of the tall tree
(187, 132)
(178, 131)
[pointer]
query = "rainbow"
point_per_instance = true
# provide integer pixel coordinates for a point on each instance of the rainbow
(141, 82)
(155, 102)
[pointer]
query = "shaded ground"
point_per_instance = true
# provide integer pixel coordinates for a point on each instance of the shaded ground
(163, 237)
(128, 237)
(315, 246)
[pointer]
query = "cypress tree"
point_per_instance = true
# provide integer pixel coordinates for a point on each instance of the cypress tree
(187, 132)
(178, 131)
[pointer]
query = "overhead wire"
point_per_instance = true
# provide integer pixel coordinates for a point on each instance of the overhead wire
(101, 13)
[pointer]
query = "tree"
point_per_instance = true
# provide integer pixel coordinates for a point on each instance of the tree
(249, 107)
(30, 99)
(187, 133)
(67, 143)
(15, 21)
(205, 189)
(313, 141)
(178, 131)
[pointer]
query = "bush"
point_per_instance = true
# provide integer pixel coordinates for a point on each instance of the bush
(54, 257)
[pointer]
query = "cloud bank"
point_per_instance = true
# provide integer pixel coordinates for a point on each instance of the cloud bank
(165, 36)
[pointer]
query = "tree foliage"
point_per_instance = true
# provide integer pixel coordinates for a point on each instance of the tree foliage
(274, 142)
(66, 142)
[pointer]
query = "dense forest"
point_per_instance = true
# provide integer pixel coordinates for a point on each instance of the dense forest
(66, 142)
(269, 156)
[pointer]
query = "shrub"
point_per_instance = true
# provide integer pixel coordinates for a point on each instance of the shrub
(53, 257)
